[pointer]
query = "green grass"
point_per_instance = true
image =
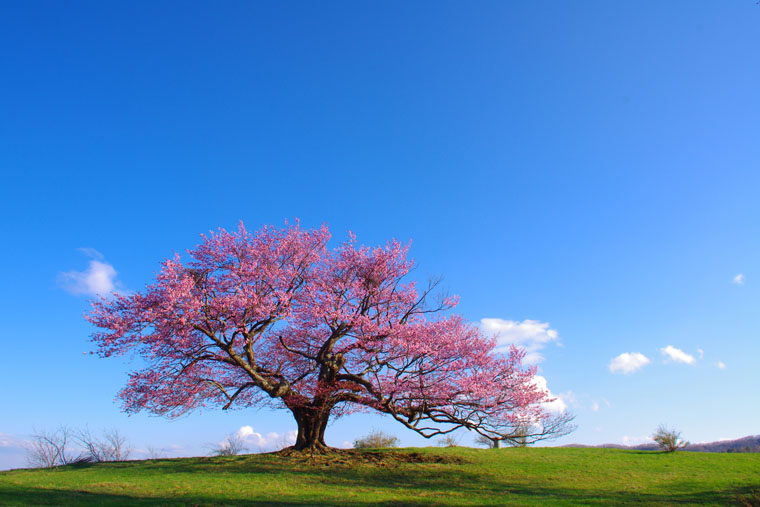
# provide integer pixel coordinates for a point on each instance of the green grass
(430, 476)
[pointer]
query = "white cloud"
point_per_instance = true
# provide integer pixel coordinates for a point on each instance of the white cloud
(677, 355)
(628, 362)
(721, 365)
(595, 407)
(626, 440)
(11, 442)
(701, 353)
(91, 253)
(530, 335)
(558, 405)
(99, 279)
(739, 279)
(570, 398)
(271, 441)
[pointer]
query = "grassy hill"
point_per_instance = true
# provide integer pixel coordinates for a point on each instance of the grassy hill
(429, 476)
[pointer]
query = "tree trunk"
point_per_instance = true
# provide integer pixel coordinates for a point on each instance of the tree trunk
(311, 428)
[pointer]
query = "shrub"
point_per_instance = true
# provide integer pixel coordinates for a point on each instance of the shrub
(448, 441)
(376, 440)
(112, 446)
(232, 446)
(668, 440)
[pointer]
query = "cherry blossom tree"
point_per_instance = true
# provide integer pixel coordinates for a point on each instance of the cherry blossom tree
(276, 318)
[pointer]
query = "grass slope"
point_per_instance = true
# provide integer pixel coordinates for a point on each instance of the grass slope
(429, 476)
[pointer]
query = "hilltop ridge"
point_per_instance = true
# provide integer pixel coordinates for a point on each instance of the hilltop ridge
(749, 443)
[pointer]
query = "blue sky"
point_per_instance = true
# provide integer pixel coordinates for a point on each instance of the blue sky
(586, 172)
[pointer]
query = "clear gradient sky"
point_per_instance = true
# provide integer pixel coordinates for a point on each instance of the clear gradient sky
(587, 172)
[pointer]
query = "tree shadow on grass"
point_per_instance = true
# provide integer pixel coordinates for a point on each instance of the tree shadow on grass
(516, 496)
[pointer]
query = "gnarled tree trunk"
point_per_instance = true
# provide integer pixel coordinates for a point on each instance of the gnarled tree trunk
(312, 422)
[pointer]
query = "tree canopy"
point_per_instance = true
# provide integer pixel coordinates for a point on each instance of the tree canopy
(277, 318)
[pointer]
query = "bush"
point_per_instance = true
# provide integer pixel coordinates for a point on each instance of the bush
(448, 441)
(668, 440)
(112, 446)
(232, 446)
(376, 440)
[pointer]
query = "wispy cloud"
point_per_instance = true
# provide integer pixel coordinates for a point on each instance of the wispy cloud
(720, 365)
(628, 362)
(11, 442)
(596, 406)
(676, 355)
(91, 253)
(531, 335)
(739, 279)
(99, 279)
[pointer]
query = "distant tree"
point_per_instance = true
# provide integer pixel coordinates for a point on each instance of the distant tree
(669, 440)
(47, 449)
(111, 446)
(376, 440)
(448, 441)
(155, 452)
(117, 446)
(527, 431)
(275, 318)
(485, 441)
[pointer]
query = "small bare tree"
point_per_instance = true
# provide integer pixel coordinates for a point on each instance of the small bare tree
(669, 440)
(49, 448)
(485, 441)
(526, 432)
(91, 445)
(155, 452)
(116, 445)
(231, 446)
(112, 446)
(448, 441)
(521, 433)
